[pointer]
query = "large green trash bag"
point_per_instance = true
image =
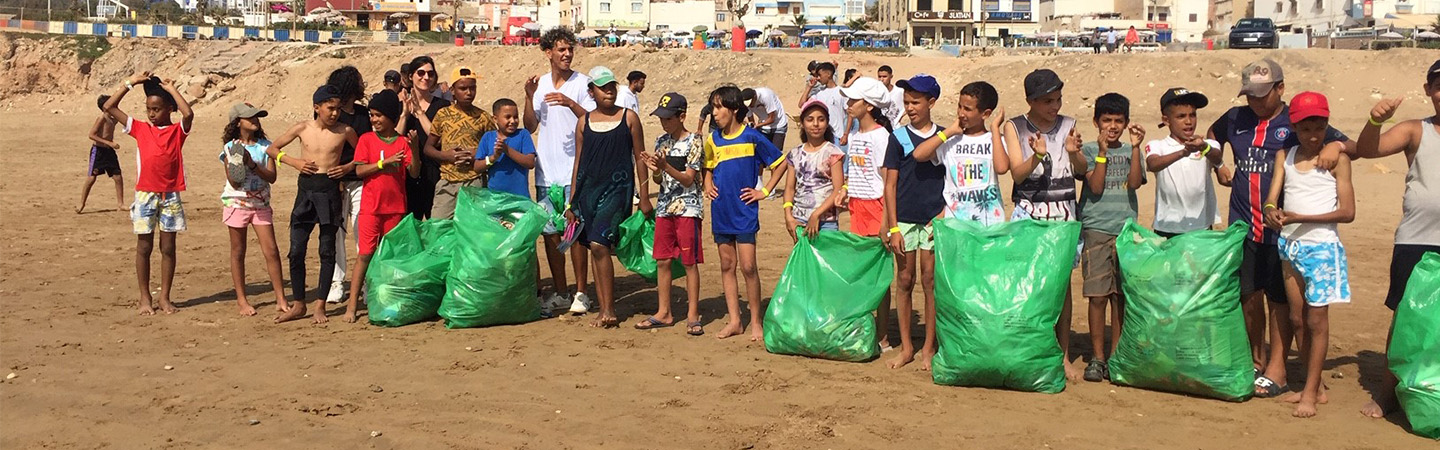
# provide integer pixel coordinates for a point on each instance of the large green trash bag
(821, 307)
(1415, 348)
(636, 249)
(1183, 328)
(998, 295)
(405, 280)
(492, 275)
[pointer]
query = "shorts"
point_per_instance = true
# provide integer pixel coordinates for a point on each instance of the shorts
(866, 215)
(825, 225)
(552, 207)
(1323, 266)
(371, 227)
(244, 217)
(918, 236)
(1402, 263)
(1260, 270)
(678, 237)
(152, 210)
(1167, 234)
(1101, 266)
(726, 238)
(318, 200)
(447, 195)
(103, 161)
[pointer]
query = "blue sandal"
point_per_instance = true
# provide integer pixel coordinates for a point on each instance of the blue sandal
(651, 323)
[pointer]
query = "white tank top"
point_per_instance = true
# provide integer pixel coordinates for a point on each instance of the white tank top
(1309, 193)
(1420, 223)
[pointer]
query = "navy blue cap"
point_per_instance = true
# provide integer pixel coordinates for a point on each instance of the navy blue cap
(921, 83)
(323, 93)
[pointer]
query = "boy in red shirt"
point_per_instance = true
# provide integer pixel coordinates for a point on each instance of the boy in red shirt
(382, 159)
(161, 179)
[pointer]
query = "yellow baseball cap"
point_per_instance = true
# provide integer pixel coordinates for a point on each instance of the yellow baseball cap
(463, 72)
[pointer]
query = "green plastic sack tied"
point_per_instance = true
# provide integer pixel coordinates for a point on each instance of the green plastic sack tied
(636, 249)
(406, 277)
(821, 307)
(1183, 328)
(1415, 348)
(999, 291)
(492, 274)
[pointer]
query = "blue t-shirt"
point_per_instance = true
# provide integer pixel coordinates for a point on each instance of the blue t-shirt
(735, 162)
(506, 175)
(1253, 144)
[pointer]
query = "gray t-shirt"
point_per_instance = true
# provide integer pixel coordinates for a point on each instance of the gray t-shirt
(1107, 212)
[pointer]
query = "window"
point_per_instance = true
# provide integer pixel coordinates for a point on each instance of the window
(1279, 7)
(1164, 17)
(957, 5)
(636, 7)
(604, 7)
(759, 10)
(1193, 18)
(719, 17)
(924, 5)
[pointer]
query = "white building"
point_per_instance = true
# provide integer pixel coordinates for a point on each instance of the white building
(998, 19)
(1320, 17)
(681, 15)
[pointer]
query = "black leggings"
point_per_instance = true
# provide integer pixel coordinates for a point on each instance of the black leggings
(299, 243)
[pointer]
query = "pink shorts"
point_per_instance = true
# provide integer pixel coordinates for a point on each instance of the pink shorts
(244, 217)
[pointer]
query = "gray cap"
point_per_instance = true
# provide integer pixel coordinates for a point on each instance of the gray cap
(1259, 77)
(246, 111)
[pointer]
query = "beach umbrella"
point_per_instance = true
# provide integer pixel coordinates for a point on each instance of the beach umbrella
(753, 33)
(588, 33)
(1427, 35)
(700, 29)
(890, 33)
(441, 16)
(280, 8)
(681, 33)
(533, 26)
(319, 11)
(632, 33)
(1392, 35)
(816, 32)
(777, 32)
(288, 16)
(400, 15)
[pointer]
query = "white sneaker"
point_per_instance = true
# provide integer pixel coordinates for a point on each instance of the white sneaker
(337, 293)
(581, 305)
(554, 302)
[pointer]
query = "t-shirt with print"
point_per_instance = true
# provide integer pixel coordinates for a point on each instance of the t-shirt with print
(866, 156)
(1184, 193)
(460, 130)
(383, 191)
(1106, 212)
(767, 102)
(735, 162)
(812, 179)
(506, 175)
(971, 191)
(158, 155)
(1254, 142)
(1049, 192)
(919, 185)
(254, 192)
(675, 199)
(555, 139)
(896, 108)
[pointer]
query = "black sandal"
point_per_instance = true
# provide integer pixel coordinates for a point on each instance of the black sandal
(695, 329)
(1267, 388)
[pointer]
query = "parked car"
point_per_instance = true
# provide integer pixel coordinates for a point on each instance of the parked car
(1254, 32)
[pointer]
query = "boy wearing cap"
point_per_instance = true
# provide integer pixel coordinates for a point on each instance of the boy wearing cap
(383, 160)
(157, 207)
(318, 197)
(1316, 276)
(1112, 174)
(675, 166)
(1184, 193)
(914, 196)
(1254, 133)
(454, 136)
(247, 201)
(1044, 178)
(1419, 231)
(554, 103)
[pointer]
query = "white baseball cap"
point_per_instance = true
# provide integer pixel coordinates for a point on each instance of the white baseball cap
(870, 90)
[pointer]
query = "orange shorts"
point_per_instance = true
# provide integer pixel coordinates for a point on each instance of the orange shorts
(866, 216)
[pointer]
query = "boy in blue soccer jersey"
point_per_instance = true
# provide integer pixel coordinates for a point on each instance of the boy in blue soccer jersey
(734, 156)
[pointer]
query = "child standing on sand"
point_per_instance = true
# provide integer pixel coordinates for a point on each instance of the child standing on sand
(157, 206)
(914, 197)
(679, 155)
(1313, 259)
(102, 158)
(317, 200)
(609, 141)
(382, 160)
(247, 202)
(1184, 193)
(1112, 174)
(815, 175)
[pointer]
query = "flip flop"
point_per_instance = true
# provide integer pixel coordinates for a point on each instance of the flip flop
(1267, 388)
(651, 323)
(695, 329)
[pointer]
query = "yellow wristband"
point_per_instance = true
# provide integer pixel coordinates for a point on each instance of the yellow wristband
(765, 190)
(380, 164)
(1373, 122)
(789, 205)
(894, 230)
(845, 187)
(942, 135)
(1101, 160)
(280, 158)
(1269, 205)
(1206, 150)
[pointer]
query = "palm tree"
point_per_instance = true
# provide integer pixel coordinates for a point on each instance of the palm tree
(858, 24)
(800, 21)
(829, 24)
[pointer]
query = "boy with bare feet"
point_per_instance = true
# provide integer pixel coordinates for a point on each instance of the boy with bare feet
(157, 204)
(914, 196)
(382, 160)
(317, 201)
(1419, 229)
(103, 159)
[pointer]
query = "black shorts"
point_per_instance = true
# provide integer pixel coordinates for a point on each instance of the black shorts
(1402, 263)
(317, 201)
(1260, 270)
(103, 161)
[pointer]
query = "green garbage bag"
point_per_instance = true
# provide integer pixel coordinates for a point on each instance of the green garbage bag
(636, 249)
(492, 274)
(405, 280)
(1415, 348)
(1183, 329)
(998, 295)
(438, 234)
(821, 307)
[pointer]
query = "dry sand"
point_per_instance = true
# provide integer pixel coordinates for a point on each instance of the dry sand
(90, 373)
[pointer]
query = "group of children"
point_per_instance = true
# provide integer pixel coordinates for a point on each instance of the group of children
(1290, 185)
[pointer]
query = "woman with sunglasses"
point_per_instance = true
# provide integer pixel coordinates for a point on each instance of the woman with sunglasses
(423, 95)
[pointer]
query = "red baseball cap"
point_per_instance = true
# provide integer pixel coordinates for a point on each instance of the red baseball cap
(1309, 104)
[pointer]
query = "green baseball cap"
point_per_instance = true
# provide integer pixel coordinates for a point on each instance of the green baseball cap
(601, 75)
